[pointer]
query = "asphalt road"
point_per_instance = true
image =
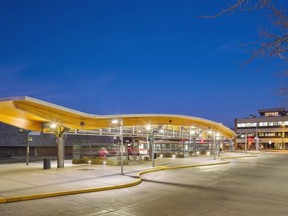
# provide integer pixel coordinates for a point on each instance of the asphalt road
(247, 186)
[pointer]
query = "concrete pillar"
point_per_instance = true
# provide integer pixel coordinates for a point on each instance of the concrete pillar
(60, 134)
(60, 152)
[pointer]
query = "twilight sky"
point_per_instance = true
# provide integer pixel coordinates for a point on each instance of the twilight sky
(113, 57)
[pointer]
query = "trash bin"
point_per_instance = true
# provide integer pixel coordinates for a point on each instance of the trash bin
(47, 163)
(155, 155)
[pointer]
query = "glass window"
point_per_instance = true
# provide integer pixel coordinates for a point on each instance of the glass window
(271, 114)
(263, 124)
(246, 125)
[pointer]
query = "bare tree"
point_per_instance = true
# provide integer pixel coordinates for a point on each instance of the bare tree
(272, 44)
(246, 5)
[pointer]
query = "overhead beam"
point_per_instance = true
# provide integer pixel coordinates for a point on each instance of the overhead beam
(21, 123)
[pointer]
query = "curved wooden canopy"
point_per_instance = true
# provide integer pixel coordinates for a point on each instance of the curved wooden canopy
(30, 114)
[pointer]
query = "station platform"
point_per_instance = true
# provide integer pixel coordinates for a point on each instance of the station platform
(20, 182)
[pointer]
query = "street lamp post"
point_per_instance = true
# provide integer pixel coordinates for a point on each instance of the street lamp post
(121, 140)
(210, 141)
(257, 138)
(190, 144)
(217, 145)
(150, 133)
(121, 145)
(152, 145)
(257, 143)
(283, 135)
(27, 149)
(246, 143)
(214, 144)
(192, 133)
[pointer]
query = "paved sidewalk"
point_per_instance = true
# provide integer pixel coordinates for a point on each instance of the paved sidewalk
(20, 182)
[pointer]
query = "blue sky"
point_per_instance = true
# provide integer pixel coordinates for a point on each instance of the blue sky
(112, 57)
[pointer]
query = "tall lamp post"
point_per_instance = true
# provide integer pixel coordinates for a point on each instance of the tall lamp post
(246, 143)
(151, 143)
(116, 121)
(210, 144)
(217, 145)
(283, 135)
(256, 138)
(28, 139)
(192, 132)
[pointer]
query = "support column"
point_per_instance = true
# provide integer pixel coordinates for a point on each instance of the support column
(60, 152)
(152, 146)
(60, 136)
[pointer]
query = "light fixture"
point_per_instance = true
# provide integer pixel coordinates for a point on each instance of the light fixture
(173, 156)
(115, 121)
(53, 125)
(192, 132)
(198, 153)
(208, 153)
(209, 132)
(148, 127)
(161, 155)
(104, 162)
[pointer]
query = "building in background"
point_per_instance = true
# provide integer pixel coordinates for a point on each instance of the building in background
(14, 141)
(268, 130)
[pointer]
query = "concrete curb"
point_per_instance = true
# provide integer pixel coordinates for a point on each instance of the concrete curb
(69, 192)
(112, 187)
